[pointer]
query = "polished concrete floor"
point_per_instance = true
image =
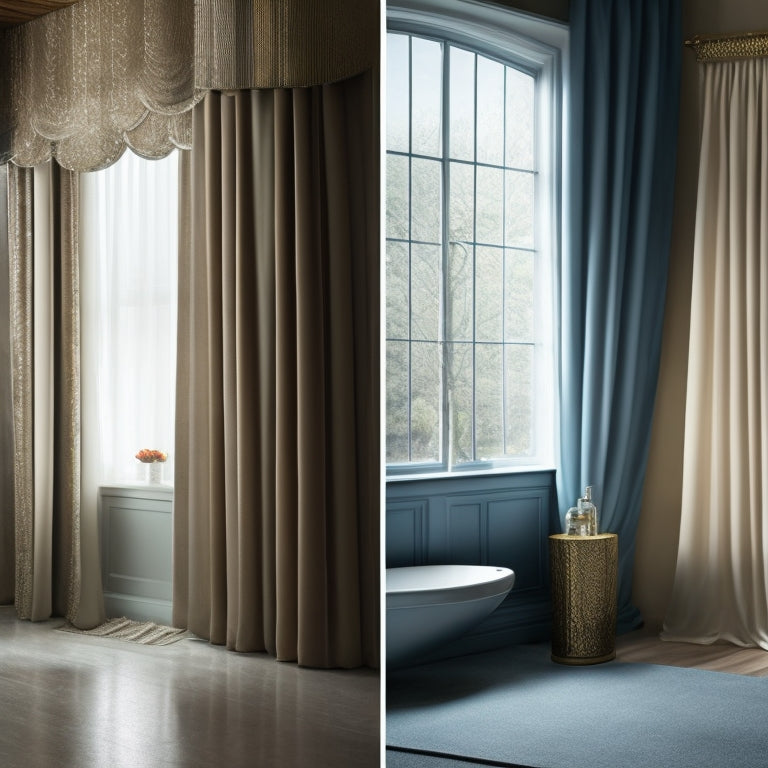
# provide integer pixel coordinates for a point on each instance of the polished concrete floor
(68, 701)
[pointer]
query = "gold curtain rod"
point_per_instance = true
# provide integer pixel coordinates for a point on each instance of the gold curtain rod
(720, 47)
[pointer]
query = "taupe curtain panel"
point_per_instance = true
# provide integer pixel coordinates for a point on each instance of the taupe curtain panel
(44, 302)
(276, 512)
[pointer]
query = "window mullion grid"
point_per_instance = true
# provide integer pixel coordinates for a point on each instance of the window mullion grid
(504, 269)
(446, 352)
(474, 274)
(410, 248)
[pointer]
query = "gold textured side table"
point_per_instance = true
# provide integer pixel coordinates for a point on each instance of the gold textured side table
(584, 578)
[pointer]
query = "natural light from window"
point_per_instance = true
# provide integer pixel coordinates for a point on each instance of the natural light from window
(468, 260)
(129, 238)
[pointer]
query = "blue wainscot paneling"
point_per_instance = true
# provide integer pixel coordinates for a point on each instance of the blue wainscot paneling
(485, 519)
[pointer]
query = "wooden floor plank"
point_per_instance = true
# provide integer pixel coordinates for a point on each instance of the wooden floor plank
(645, 646)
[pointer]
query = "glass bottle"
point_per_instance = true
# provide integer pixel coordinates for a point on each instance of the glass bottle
(592, 512)
(577, 520)
(581, 520)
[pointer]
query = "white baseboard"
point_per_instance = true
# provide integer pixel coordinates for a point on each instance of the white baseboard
(137, 608)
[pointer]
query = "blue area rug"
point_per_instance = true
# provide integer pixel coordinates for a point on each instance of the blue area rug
(515, 707)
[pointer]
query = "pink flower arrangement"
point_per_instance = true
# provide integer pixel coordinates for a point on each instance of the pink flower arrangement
(149, 456)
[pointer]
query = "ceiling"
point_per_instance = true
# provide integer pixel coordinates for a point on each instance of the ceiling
(13, 12)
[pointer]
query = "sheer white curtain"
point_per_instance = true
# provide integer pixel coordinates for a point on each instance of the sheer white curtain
(129, 238)
(721, 580)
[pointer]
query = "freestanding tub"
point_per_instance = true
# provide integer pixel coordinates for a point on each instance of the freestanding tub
(428, 605)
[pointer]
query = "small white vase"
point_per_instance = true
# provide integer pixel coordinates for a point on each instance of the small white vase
(156, 472)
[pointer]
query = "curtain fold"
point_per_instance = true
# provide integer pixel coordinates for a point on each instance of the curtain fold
(7, 523)
(622, 137)
(721, 579)
(54, 532)
(277, 474)
(241, 44)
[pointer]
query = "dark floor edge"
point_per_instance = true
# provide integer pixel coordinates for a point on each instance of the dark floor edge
(452, 756)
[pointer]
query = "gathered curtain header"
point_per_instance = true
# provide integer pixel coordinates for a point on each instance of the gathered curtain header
(747, 45)
(85, 82)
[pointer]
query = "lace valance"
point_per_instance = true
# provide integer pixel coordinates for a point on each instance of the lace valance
(83, 83)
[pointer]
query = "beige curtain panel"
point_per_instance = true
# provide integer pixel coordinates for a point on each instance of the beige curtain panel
(283, 43)
(721, 580)
(7, 522)
(49, 524)
(276, 542)
(86, 82)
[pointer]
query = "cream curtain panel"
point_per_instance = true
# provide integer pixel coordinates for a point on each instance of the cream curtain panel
(277, 484)
(721, 580)
(56, 554)
(85, 82)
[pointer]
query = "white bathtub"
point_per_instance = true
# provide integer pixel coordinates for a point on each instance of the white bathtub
(428, 605)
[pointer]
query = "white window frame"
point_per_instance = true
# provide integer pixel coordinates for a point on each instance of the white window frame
(539, 47)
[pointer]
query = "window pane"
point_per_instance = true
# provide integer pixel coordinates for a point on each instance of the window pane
(397, 196)
(459, 306)
(489, 401)
(519, 209)
(518, 405)
(518, 296)
(397, 290)
(461, 215)
(490, 111)
(462, 107)
(129, 325)
(489, 227)
(519, 108)
(427, 76)
(463, 329)
(397, 401)
(489, 294)
(426, 219)
(425, 401)
(397, 92)
(425, 292)
(459, 385)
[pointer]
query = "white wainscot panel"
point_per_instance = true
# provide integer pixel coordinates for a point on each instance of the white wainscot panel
(136, 551)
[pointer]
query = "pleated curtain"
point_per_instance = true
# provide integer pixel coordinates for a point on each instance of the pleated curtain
(55, 547)
(276, 544)
(619, 181)
(7, 522)
(721, 578)
(277, 489)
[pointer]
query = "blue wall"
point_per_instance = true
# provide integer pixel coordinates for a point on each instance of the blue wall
(490, 519)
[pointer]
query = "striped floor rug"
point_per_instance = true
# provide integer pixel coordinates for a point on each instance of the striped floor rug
(144, 632)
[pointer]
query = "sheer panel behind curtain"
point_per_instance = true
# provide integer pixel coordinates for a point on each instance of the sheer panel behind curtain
(129, 252)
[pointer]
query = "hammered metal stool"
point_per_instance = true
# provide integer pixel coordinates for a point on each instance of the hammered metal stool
(584, 578)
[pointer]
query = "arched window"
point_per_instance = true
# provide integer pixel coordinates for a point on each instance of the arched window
(472, 236)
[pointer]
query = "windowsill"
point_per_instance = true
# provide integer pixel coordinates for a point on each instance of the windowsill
(134, 488)
(457, 474)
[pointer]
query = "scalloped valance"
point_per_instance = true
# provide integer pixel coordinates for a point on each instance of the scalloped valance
(83, 83)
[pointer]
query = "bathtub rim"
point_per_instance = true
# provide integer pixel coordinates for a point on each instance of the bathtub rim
(498, 580)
